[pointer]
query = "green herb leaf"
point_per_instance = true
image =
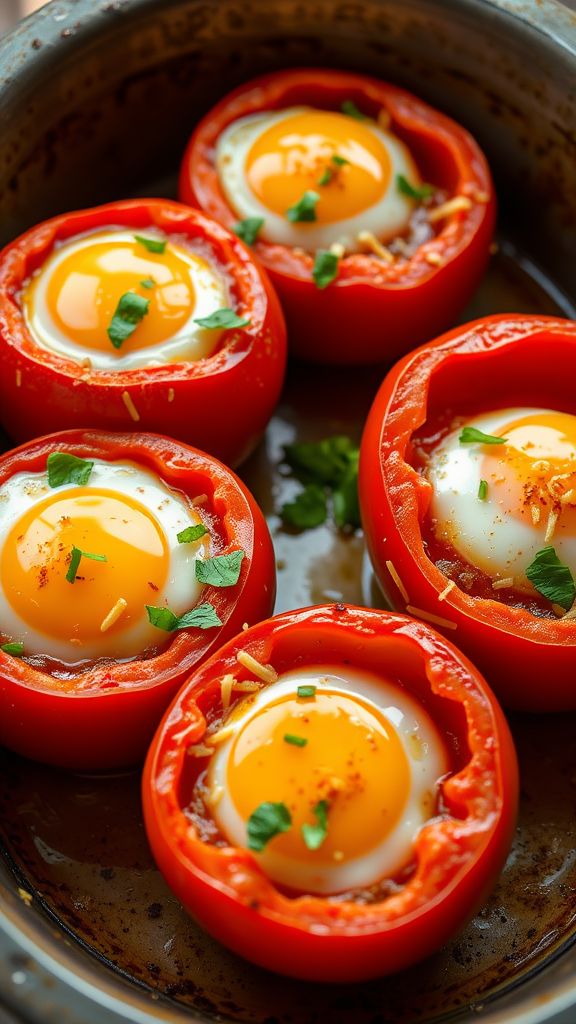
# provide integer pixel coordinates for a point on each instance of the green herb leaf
(483, 490)
(309, 508)
(345, 499)
(129, 312)
(152, 244)
(306, 690)
(77, 554)
(413, 191)
(191, 533)
(326, 177)
(15, 648)
(325, 268)
(304, 209)
(220, 571)
(67, 469)
(203, 616)
(552, 578)
(314, 835)
(267, 821)
(296, 741)
(469, 435)
(148, 282)
(324, 462)
(350, 108)
(223, 319)
(249, 229)
(340, 161)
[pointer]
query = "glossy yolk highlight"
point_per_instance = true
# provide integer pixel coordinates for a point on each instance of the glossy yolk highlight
(36, 557)
(84, 290)
(534, 472)
(353, 759)
(291, 156)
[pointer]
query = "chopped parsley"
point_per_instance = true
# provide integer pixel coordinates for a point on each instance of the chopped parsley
(325, 268)
(148, 282)
(413, 191)
(329, 470)
(307, 690)
(552, 578)
(14, 647)
(326, 177)
(223, 319)
(308, 509)
(304, 210)
(77, 554)
(314, 835)
(191, 533)
(469, 435)
(152, 244)
(249, 229)
(203, 616)
(295, 741)
(63, 468)
(220, 571)
(131, 309)
(267, 821)
(483, 490)
(349, 107)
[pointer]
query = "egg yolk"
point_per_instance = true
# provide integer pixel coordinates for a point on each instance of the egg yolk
(534, 472)
(37, 556)
(297, 154)
(352, 758)
(85, 287)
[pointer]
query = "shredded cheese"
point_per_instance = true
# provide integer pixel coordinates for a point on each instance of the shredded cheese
(371, 242)
(216, 738)
(434, 259)
(131, 408)
(535, 512)
(551, 525)
(214, 796)
(86, 363)
(245, 626)
(436, 620)
(226, 685)
(337, 250)
(114, 614)
(25, 896)
(200, 500)
(449, 586)
(247, 686)
(199, 750)
(392, 570)
(456, 205)
(503, 584)
(264, 672)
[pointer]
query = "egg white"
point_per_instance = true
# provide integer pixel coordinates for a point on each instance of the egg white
(180, 593)
(427, 760)
(385, 219)
(190, 343)
(483, 532)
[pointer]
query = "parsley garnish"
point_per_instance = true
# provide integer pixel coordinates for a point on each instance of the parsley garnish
(306, 690)
(326, 177)
(15, 648)
(130, 311)
(67, 469)
(267, 821)
(220, 571)
(148, 282)
(304, 209)
(350, 108)
(413, 191)
(249, 229)
(224, 319)
(191, 533)
(295, 741)
(483, 490)
(152, 244)
(469, 435)
(204, 616)
(552, 578)
(328, 468)
(340, 161)
(77, 554)
(314, 835)
(325, 268)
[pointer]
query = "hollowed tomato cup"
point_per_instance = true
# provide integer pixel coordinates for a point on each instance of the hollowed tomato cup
(456, 854)
(100, 713)
(220, 403)
(491, 364)
(373, 311)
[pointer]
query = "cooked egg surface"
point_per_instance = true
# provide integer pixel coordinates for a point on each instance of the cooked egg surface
(371, 753)
(267, 162)
(70, 302)
(530, 497)
(124, 513)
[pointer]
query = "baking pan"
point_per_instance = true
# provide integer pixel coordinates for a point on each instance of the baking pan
(96, 102)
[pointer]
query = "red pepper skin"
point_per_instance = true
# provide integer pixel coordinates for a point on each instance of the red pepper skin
(497, 361)
(457, 858)
(220, 404)
(371, 312)
(105, 717)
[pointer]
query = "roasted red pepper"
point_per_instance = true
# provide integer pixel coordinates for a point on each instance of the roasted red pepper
(372, 311)
(491, 364)
(103, 714)
(220, 403)
(458, 852)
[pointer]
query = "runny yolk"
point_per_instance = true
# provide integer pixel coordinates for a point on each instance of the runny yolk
(36, 557)
(292, 156)
(353, 759)
(85, 287)
(534, 471)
